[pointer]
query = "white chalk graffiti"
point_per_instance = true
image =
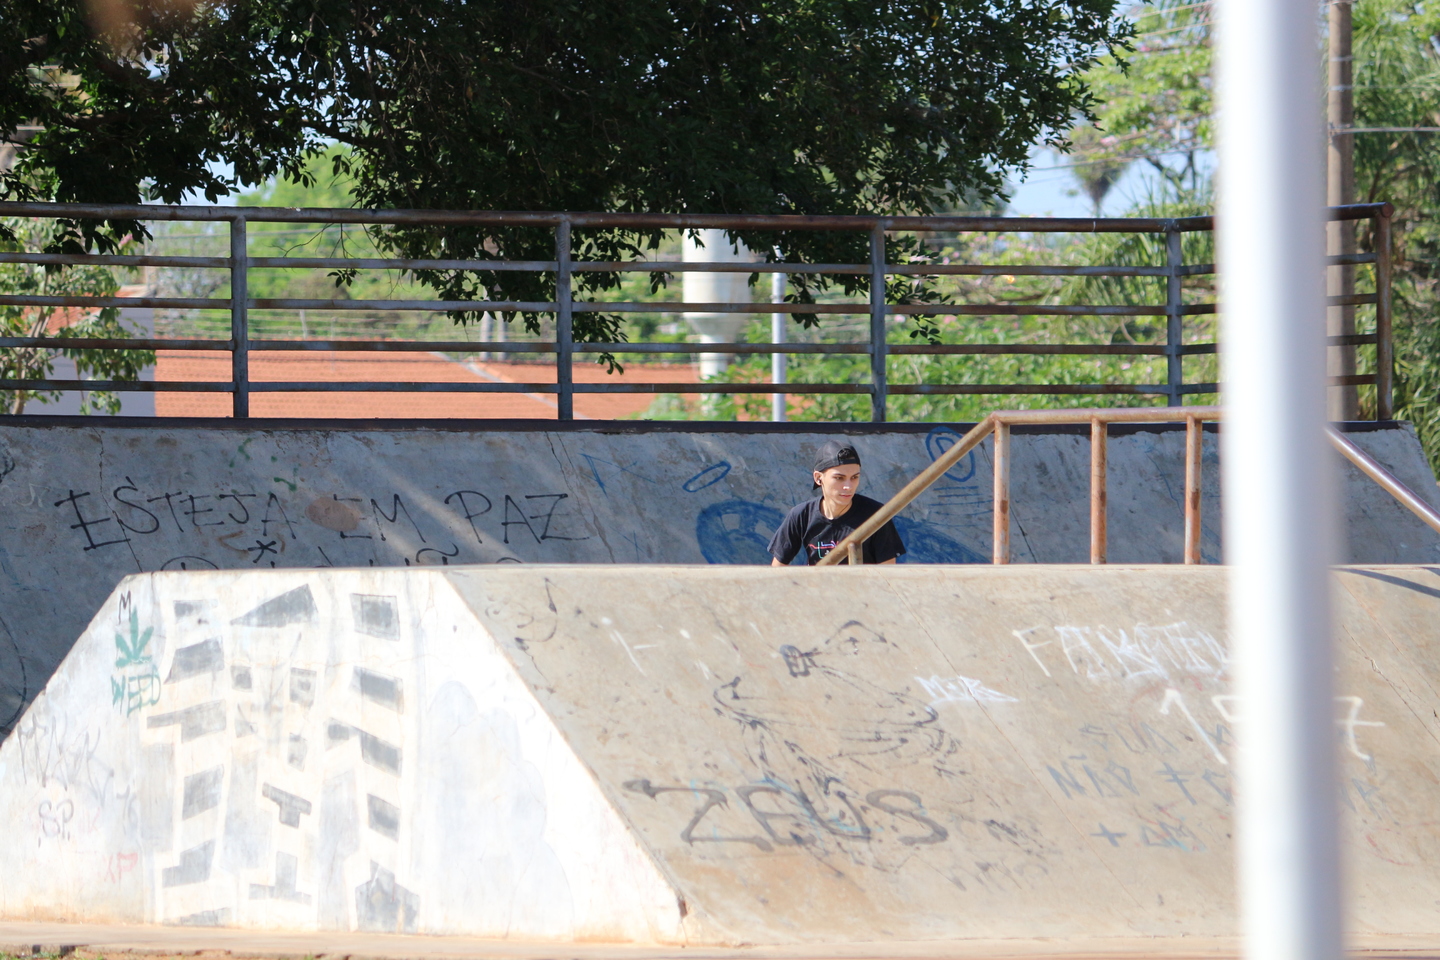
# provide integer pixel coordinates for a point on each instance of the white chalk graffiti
(1030, 648)
(621, 641)
(1173, 696)
(1224, 705)
(1143, 652)
(958, 689)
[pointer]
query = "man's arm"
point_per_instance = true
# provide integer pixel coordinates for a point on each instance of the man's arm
(775, 562)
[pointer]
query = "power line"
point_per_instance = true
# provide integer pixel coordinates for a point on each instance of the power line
(1336, 132)
(1121, 159)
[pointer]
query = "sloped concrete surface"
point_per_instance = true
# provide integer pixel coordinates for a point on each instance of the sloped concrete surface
(697, 756)
(83, 506)
(345, 750)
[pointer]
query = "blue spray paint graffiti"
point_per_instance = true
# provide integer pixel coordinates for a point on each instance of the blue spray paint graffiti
(710, 475)
(736, 531)
(942, 438)
(925, 543)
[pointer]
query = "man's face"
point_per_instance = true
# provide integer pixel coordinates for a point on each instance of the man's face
(838, 484)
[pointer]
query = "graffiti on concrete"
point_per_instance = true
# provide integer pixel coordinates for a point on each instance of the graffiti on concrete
(135, 683)
(736, 531)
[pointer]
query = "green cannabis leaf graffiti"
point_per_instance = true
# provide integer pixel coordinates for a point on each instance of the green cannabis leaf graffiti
(132, 651)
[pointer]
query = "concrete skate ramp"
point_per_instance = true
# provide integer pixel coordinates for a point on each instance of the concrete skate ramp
(700, 755)
(83, 505)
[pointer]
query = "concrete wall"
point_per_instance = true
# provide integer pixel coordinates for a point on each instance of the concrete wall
(706, 755)
(82, 505)
(296, 751)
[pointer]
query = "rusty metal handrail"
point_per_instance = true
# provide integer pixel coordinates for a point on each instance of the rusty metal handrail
(999, 424)
(1388, 482)
(239, 304)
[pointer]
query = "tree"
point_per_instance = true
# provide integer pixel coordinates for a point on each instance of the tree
(1157, 108)
(1155, 103)
(748, 106)
(34, 363)
(1397, 97)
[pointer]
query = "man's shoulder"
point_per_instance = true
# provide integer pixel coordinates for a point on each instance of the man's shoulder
(801, 511)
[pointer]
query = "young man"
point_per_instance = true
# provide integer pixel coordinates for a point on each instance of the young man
(820, 524)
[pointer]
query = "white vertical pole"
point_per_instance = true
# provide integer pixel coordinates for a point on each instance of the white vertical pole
(777, 335)
(1277, 496)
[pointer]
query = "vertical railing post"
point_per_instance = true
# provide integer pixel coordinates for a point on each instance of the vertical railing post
(778, 365)
(1099, 533)
(564, 325)
(1000, 549)
(1384, 344)
(1174, 325)
(878, 373)
(1194, 440)
(856, 554)
(1342, 400)
(239, 320)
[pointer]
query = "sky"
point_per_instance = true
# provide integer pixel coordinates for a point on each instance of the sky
(1052, 190)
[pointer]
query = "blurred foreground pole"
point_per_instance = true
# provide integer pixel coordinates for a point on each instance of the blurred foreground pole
(1277, 495)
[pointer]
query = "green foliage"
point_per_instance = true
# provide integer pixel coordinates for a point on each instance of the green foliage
(1397, 84)
(756, 106)
(1146, 250)
(34, 363)
(1157, 107)
(1154, 103)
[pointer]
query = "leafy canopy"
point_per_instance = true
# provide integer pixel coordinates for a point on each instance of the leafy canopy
(745, 106)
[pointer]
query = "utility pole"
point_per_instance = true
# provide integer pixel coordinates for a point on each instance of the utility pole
(1344, 402)
(1270, 246)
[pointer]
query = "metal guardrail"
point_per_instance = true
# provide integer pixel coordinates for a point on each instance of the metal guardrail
(999, 423)
(564, 307)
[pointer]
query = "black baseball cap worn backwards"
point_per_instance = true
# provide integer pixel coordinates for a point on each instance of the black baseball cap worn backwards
(833, 453)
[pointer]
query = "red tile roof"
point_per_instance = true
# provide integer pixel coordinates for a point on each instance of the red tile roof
(335, 366)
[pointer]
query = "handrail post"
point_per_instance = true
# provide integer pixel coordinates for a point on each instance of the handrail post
(1384, 345)
(1194, 440)
(239, 320)
(1000, 551)
(879, 382)
(1174, 327)
(856, 554)
(564, 325)
(1099, 534)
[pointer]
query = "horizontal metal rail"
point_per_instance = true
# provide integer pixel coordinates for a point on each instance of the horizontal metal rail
(548, 346)
(120, 386)
(239, 344)
(623, 266)
(622, 306)
(641, 221)
(666, 386)
(998, 424)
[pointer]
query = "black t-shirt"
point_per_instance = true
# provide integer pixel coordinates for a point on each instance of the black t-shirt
(806, 527)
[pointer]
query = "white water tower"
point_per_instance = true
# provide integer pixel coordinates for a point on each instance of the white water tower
(716, 288)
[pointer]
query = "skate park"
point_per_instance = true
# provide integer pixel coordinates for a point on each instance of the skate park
(493, 688)
(1050, 742)
(1154, 675)
(677, 752)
